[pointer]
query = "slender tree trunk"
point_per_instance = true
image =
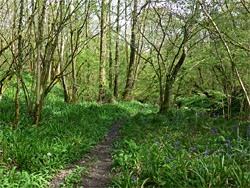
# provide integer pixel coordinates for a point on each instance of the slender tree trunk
(110, 49)
(117, 51)
(102, 72)
(129, 81)
(87, 10)
(126, 29)
(74, 79)
(19, 64)
(61, 51)
(38, 80)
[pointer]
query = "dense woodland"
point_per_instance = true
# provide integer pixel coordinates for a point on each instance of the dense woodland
(181, 67)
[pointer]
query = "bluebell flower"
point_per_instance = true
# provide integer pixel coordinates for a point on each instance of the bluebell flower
(148, 154)
(215, 152)
(158, 143)
(134, 179)
(226, 145)
(175, 166)
(228, 141)
(207, 151)
(199, 168)
(167, 160)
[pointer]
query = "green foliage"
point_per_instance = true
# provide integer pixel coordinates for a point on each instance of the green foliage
(32, 154)
(75, 177)
(184, 149)
(12, 177)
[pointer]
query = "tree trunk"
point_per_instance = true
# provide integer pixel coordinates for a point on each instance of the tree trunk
(125, 32)
(164, 107)
(73, 61)
(110, 49)
(61, 51)
(129, 81)
(102, 72)
(19, 64)
(37, 112)
(87, 10)
(117, 51)
(171, 77)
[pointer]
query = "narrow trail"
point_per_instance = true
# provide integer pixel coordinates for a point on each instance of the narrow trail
(98, 163)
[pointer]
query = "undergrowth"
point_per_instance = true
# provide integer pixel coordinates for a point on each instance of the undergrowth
(30, 155)
(184, 149)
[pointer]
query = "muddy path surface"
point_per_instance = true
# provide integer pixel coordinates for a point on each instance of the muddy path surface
(98, 163)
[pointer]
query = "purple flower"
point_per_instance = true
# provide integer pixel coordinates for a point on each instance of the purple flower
(205, 169)
(215, 152)
(207, 151)
(199, 168)
(150, 163)
(167, 160)
(245, 150)
(230, 147)
(158, 143)
(226, 145)
(148, 154)
(134, 179)
(192, 149)
(175, 166)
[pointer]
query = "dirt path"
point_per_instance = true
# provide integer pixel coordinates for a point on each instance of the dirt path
(98, 163)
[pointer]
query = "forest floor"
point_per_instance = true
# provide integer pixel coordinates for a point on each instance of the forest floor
(97, 163)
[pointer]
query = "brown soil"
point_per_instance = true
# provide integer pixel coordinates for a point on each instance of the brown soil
(98, 163)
